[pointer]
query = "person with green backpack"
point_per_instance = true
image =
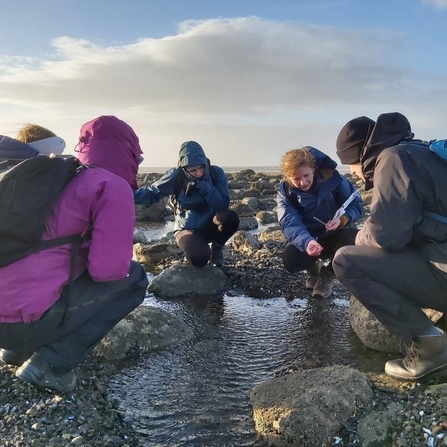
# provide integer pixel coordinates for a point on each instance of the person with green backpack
(398, 265)
(199, 194)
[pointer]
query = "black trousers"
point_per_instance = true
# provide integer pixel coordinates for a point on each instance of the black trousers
(195, 243)
(393, 286)
(295, 260)
(78, 321)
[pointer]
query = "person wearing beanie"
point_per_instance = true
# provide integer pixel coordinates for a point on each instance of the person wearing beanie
(398, 265)
(200, 199)
(54, 309)
(307, 200)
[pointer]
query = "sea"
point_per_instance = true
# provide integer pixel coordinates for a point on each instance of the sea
(232, 169)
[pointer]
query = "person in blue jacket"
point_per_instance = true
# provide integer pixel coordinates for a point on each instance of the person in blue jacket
(201, 209)
(31, 140)
(307, 202)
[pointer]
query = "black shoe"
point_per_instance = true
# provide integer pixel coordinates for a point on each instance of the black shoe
(426, 355)
(12, 357)
(38, 372)
(323, 286)
(217, 255)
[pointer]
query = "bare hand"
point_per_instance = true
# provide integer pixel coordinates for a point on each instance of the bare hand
(332, 224)
(314, 248)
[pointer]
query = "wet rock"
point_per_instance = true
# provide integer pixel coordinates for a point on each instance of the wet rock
(372, 333)
(187, 280)
(146, 329)
(308, 407)
(152, 254)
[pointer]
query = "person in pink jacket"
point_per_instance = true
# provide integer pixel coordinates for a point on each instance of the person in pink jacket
(47, 326)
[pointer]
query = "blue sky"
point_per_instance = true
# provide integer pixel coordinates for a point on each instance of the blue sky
(248, 79)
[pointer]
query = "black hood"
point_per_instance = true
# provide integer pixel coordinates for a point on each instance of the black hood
(390, 129)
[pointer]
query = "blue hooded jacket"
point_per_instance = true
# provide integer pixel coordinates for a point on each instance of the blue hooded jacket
(296, 208)
(204, 198)
(13, 151)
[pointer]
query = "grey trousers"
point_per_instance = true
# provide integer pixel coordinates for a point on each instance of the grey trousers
(393, 286)
(78, 321)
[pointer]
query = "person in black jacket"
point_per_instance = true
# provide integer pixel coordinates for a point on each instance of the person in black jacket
(399, 263)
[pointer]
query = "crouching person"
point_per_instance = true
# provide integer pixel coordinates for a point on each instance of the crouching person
(49, 323)
(200, 198)
(308, 198)
(399, 263)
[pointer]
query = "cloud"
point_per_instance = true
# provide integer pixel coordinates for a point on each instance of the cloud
(437, 3)
(243, 76)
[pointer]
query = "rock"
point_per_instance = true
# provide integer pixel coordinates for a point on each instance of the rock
(147, 328)
(155, 253)
(139, 236)
(374, 429)
(186, 280)
(246, 243)
(248, 223)
(308, 407)
(152, 212)
(266, 217)
(372, 333)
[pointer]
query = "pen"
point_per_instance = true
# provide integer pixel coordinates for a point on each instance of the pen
(318, 220)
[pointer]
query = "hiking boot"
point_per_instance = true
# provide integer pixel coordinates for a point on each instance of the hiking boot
(425, 355)
(12, 357)
(217, 255)
(312, 275)
(323, 286)
(39, 372)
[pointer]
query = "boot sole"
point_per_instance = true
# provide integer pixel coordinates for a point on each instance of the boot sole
(31, 374)
(426, 376)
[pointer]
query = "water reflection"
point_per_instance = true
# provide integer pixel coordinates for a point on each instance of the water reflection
(196, 393)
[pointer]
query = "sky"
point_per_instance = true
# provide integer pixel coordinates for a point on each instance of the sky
(247, 79)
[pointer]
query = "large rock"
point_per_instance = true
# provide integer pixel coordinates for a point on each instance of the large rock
(152, 212)
(186, 280)
(307, 408)
(152, 254)
(372, 333)
(146, 328)
(245, 243)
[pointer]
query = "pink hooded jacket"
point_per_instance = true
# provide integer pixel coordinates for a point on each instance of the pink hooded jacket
(99, 198)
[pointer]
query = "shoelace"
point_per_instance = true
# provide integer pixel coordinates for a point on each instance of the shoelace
(411, 354)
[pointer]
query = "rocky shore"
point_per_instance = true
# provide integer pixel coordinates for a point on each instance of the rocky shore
(402, 414)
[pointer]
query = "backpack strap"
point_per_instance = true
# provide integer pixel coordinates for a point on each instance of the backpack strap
(433, 215)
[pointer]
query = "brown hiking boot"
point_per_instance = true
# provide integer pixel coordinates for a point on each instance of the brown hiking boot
(424, 356)
(312, 275)
(323, 286)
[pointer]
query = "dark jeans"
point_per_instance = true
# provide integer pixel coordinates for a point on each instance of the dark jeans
(295, 260)
(393, 286)
(195, 243)
(78, 321)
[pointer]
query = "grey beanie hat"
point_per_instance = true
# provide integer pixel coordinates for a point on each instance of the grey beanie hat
(352, 139)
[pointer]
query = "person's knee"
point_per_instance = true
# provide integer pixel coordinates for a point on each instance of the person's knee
(228, 219)
(342, 260)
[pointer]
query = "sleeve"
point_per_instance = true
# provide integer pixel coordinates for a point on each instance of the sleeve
(113, 223)
(217, 195)
(159, 189)
(395, 205)
(291, 222)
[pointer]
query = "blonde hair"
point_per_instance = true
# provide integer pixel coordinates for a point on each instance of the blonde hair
(294, 159)
(33, 132)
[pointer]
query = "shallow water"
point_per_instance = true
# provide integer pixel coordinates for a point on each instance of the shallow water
(197, 393)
